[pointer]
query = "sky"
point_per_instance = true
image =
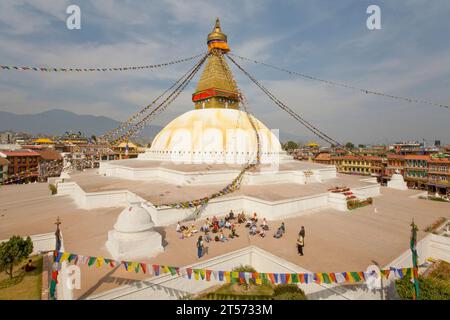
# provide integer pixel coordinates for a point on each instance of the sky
(409, 56)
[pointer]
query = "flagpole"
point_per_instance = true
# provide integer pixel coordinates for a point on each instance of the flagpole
(55, 266)
(413, 244)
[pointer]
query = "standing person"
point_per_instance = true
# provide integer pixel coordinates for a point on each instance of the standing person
(302, 232)
(200, 247)
(300, 244)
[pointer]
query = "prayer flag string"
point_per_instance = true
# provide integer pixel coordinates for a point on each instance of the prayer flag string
(232, 276)
(107, 69)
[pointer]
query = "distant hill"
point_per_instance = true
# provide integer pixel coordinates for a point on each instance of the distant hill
(57, 122)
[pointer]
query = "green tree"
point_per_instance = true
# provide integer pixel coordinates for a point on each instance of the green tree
(290, 145)
(288, 292)
(361, 146)
(349, 145)
(13, 252)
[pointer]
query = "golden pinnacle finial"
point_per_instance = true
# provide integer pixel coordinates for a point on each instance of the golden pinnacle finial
(217, 39)
(217, 27)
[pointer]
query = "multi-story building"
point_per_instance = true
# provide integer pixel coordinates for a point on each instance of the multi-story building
(416, 171)
(404, 148)
(50, 165)
(323, 158)
(439, 176)
(126, 150)
(3, 169)
(23, 165)
(395, 162)
(6, 137)
(362, 165)
(378, 151)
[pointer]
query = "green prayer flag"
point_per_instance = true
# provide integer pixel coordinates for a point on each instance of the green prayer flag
(92, 261)
(355, 276)
(326, 278)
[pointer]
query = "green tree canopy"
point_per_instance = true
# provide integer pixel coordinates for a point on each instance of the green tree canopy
(13, 252)
(349, 145)
(290, 145)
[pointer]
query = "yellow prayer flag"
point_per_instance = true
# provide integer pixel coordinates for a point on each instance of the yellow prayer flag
(99, 262)
(131, 266)
(64, 256)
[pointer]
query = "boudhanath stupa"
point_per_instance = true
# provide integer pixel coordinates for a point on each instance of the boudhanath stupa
(201, 152)
(214, 158)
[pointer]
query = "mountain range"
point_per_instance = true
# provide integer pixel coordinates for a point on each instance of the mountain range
(57, 122)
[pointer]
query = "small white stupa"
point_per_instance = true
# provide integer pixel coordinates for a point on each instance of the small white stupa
(397, 182)
(133, 235)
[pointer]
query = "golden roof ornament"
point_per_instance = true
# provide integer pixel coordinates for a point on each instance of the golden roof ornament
(217, 39)
(216, 87)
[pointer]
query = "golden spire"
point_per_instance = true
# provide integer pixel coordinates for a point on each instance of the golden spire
(216, 88)
(217, 39)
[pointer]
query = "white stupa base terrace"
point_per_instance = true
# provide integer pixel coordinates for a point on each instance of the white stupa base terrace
(217, 157)
(296, 188)
(203, 173)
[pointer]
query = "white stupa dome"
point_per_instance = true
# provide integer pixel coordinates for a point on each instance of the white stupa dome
(134, 218)
(224, 135)
(217, 131)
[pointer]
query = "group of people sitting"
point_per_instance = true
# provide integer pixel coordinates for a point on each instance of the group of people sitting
(214, 226)
(252, 224)
(217, 226)
(185, 231)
